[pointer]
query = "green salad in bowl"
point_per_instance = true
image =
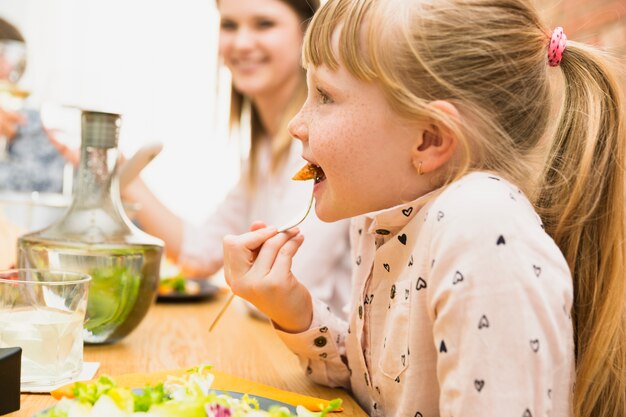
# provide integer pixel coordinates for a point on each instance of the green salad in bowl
(187, 396)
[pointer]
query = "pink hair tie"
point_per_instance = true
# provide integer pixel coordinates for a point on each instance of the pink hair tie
(556, 47)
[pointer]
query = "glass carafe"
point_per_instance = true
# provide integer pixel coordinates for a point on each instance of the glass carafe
(96, 237)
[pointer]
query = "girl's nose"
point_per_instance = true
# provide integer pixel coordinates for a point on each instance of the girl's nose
(297, 127)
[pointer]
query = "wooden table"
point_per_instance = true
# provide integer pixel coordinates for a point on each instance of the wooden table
(176, 336)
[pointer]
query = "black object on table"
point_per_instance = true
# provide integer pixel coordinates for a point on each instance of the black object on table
(10, 369)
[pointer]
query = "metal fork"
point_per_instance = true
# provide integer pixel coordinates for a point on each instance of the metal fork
(289, 225)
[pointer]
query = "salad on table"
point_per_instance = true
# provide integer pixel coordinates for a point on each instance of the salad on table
(189, 395)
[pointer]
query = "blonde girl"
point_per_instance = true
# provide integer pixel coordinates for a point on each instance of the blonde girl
(488, 255)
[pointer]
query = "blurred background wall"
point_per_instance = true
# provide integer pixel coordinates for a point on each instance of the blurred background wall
(155, 62)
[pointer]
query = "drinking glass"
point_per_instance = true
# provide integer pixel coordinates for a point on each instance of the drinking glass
(43, 312)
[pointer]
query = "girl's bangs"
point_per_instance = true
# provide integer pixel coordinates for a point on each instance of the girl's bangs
(319, 47)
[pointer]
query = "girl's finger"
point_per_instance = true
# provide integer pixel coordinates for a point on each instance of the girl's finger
(284, 258)
(251, 240)
(240, 251)
(257, 225)
(269, 250)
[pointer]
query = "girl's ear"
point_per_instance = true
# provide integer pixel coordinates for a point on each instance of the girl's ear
(435, 145)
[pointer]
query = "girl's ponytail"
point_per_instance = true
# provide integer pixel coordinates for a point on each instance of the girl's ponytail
(581, 200)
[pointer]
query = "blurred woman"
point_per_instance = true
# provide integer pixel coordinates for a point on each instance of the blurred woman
(260, 43)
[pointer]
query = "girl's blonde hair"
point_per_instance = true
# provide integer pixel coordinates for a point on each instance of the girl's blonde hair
(281, 143)
(489, 58)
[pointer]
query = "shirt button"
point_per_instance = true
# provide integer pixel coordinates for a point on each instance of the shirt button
(320, 341)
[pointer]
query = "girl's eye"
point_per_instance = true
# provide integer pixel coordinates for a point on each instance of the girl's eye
(324, 98)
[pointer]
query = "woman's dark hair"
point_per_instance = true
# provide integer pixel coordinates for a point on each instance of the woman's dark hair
(304, 8)
(9, 32)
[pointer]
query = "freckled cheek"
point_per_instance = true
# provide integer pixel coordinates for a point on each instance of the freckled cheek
(336, 151)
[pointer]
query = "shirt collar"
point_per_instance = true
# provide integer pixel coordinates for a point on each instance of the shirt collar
(390, 221)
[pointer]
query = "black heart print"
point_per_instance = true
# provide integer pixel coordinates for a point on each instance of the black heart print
(501, 241)
(420, 284)
(397, 379)
(484, 322)
(411, 261)
(402, 238)
(442, 347)
(440, 215)
(386, 266)
(403, 359)
(358, 260)
(458, 277)
(479, 384)
(392, 293)
(407, 211)
(537, 270)
(534, 345)
(527, 413)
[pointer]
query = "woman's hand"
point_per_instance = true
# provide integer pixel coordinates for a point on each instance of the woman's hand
(9, 122)
(71, 155)
(257, 266)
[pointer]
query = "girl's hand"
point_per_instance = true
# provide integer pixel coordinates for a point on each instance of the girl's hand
(257, 267)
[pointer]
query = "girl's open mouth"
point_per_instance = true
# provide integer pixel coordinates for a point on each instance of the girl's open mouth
(310, 172)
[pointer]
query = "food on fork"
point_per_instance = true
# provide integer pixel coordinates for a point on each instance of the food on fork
(309, 172)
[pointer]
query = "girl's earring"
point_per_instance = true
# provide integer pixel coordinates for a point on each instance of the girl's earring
(419, 169)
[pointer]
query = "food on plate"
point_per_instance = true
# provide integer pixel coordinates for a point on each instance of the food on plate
(309, 172)
(186, 396)
(179, 285)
